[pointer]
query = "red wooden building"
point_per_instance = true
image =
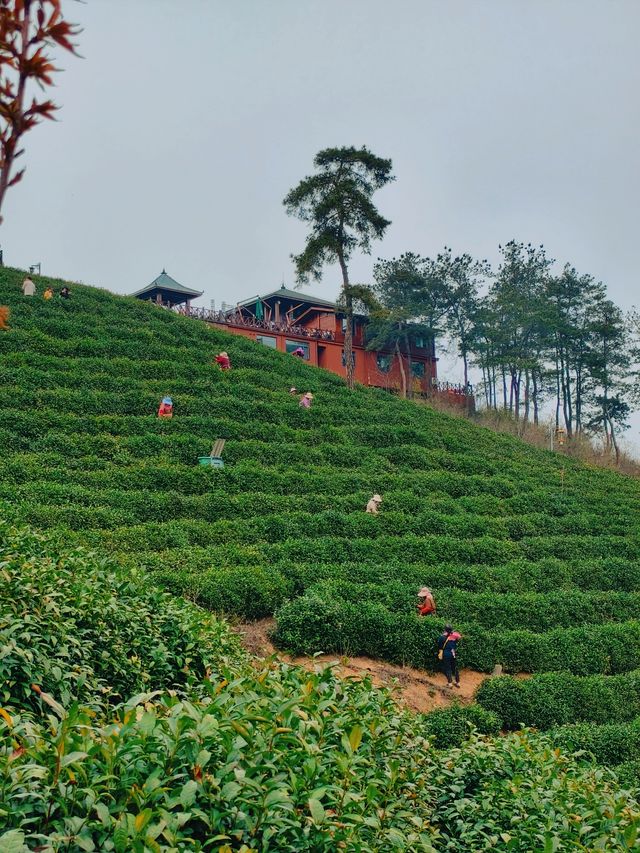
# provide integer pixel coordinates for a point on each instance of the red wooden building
(288, 320)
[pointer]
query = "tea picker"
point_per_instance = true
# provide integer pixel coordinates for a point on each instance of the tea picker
(166, 408)
(427, 603)
(223, 361)
(214, 459)
(447, 654)
(4, 318)
(373, 506)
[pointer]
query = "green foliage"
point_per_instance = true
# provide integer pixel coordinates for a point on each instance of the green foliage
(302, 761)
(80, 630)
(321, 620)
(554, 699)
(452, 726)
(610, 743)
(538, 570)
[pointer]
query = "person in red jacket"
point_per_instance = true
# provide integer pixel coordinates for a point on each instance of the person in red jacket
(427, 602)
(166, 408)
(224, 361)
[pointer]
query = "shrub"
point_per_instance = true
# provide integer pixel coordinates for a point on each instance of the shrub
(610, 743)
(554, 699)
(451, 726)
(79, 630)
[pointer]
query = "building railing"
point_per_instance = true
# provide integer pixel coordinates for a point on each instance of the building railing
(242, 321)
(452, 388)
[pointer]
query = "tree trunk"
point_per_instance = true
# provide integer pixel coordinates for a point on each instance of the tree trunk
(409, 373)
(614, 441)
(569, 399)
(495, 389)
(578, 395)
(487, 390)
(557, 390)
(348, 332)
(403, 375)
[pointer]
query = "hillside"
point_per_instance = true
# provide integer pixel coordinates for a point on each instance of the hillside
(533, 556)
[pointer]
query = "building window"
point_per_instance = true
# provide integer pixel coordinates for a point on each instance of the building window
(420, 343)
(291, 346)
(353, 359)
(417, 368)
(383, 363)
(344, 324)
(267, 340)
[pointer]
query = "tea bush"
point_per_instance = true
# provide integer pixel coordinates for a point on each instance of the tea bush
(554, 699)
(609, 743)
(294, 760)
(79, 630)
(534, 556)
(317, 621)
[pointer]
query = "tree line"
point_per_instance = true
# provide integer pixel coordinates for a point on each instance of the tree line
(537, 336)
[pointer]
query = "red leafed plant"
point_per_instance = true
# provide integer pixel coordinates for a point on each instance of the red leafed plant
(27, 29)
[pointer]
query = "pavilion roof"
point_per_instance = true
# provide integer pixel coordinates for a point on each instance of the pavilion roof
(293, 295)
(166, 283)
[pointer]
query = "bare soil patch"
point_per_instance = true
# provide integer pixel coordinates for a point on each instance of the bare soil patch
(415, 689)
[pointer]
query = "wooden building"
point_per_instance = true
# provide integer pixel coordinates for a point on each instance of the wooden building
(288, 320)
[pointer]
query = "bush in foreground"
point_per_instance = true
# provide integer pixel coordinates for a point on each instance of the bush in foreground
(284, 759)
(76, 628)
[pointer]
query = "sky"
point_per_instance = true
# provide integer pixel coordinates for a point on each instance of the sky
(185, 123)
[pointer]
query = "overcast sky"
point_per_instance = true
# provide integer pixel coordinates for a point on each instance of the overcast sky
(186, 122)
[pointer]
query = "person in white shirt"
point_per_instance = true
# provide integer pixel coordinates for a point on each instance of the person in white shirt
(374, 504)
(28, 287)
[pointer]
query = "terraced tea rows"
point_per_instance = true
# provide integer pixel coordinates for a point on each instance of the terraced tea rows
(533, 556)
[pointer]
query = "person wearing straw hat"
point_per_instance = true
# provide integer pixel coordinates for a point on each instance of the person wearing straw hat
(427, 603)
(305, 400)
(374, 505)
(224, 361)
(293, 390)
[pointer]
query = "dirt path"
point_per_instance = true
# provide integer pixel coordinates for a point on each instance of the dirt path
(415, 689)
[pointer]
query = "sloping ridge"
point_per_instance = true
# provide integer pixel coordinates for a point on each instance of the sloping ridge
(533, 556)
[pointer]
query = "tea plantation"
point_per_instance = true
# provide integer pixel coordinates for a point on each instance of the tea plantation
(534, 557)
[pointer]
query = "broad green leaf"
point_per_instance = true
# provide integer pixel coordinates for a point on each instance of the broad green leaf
(72, 757)
(355, 737)
(143, 818)
(13, 842)
(103, 813)
(280, 795)
(188, 793)
(317, 811)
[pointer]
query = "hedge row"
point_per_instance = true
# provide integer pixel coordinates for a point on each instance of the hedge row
(610, 743)
(555, 699)
(536, 612)
(312, 623)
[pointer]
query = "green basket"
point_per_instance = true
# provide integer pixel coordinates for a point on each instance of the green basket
(211, 461)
